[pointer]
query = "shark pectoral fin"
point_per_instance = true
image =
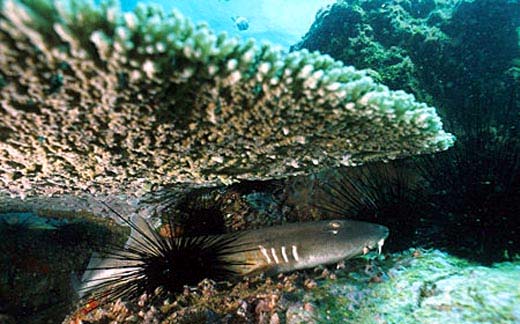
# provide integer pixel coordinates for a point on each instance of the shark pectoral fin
(272, 270)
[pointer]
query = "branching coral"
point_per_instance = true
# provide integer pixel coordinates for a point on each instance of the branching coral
(92, 98)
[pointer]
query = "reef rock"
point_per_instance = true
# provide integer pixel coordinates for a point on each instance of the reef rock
(442, 51)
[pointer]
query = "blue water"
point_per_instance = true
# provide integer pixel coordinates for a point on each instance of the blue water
(281, 22)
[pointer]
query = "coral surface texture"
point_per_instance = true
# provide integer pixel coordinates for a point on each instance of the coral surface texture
(116, 103)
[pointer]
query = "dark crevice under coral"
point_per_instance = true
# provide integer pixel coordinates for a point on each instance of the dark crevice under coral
(475, 187)
(384, 193)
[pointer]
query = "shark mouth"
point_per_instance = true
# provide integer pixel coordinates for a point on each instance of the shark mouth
(380, 244)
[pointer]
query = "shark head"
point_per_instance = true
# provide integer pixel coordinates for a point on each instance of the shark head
(335, 240)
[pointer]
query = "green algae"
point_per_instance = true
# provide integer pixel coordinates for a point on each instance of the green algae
(424, 287)
(441, 51)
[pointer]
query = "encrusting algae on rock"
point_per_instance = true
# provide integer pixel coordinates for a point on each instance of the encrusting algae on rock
(92, 98)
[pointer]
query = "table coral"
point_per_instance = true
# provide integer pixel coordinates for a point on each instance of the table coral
(95, 99)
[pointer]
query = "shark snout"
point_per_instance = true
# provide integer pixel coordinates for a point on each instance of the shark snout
(378, 240)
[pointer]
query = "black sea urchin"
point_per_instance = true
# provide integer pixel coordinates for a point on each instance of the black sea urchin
(388, 193)
(475, 186)
(150, 260)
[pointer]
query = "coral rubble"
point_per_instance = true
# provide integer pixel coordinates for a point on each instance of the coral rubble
(110, 102)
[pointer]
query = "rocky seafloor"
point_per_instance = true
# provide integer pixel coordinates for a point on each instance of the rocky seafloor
(415, 286)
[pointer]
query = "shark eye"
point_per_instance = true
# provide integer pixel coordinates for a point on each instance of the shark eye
(333, 227)
(334, 224)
